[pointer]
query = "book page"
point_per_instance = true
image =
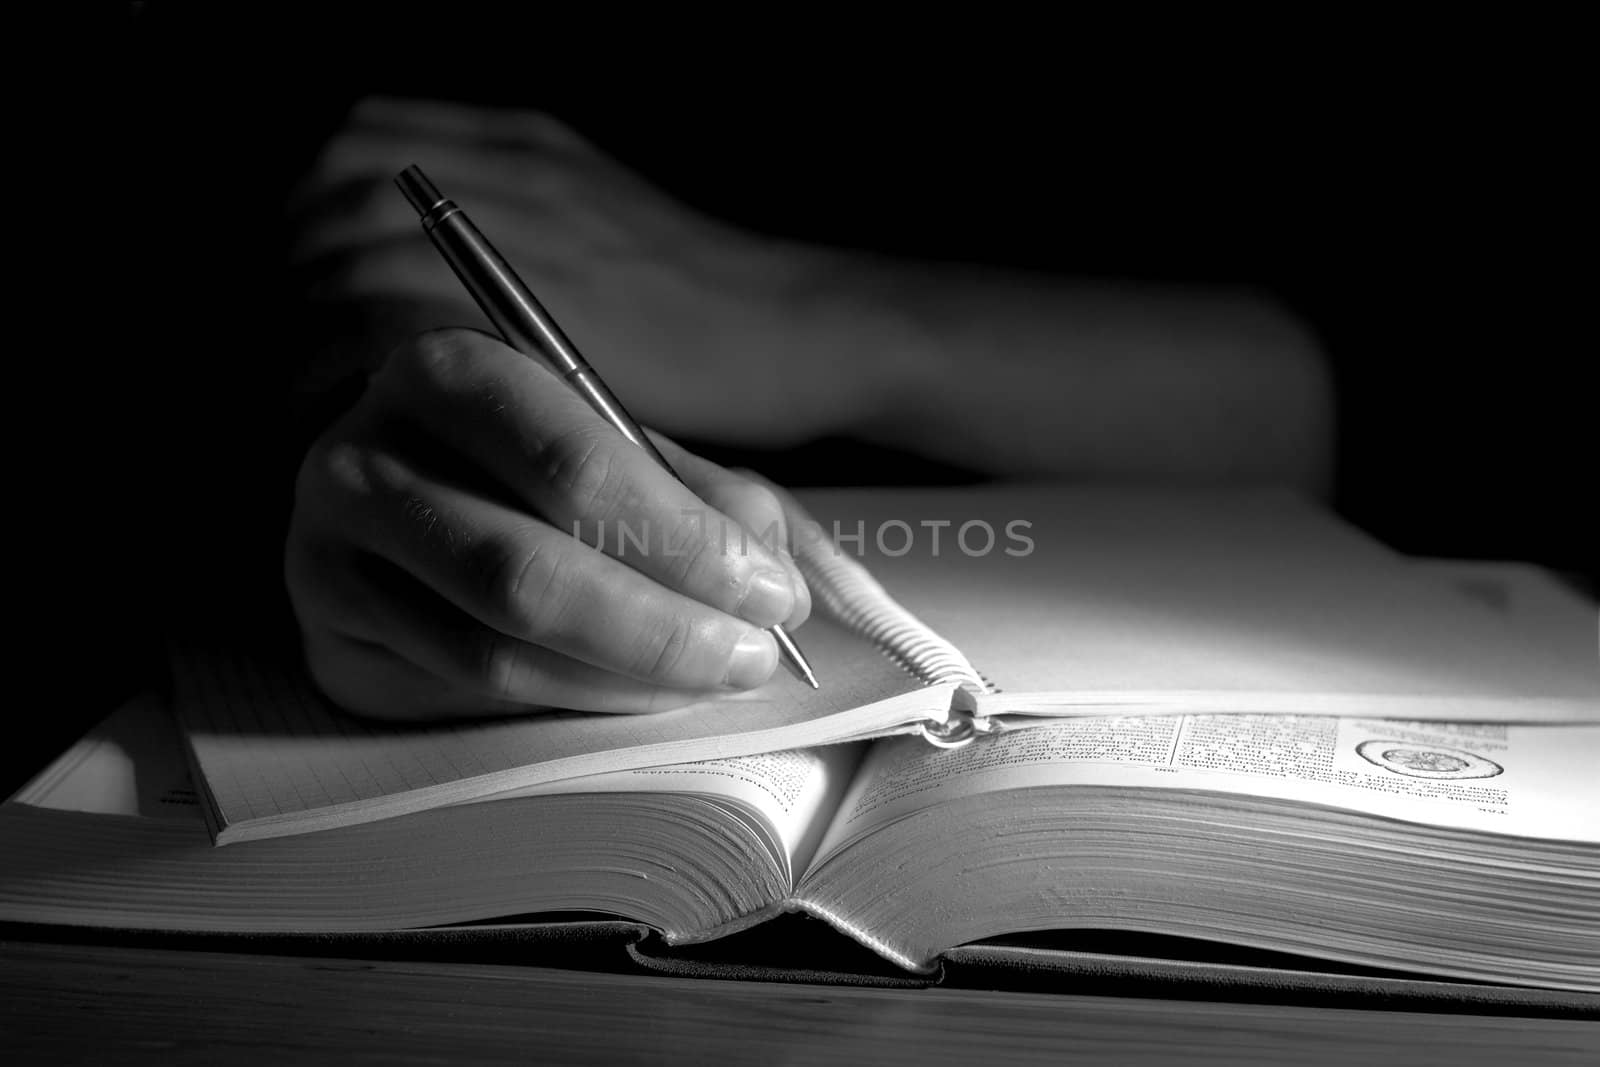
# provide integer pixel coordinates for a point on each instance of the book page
(1127, 602)
(1528, 781)
(277, 758)
(792, 793)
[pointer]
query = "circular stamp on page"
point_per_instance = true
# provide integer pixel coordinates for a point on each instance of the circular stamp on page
(1426, 761)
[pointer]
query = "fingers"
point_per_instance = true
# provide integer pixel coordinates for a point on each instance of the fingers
(486, 147)
(451, 663)
(521, 175)
(358, 167)
(355, 235)
(530, 581)
(557, 459)
(345, 215)
(508, 167)
(364, 239)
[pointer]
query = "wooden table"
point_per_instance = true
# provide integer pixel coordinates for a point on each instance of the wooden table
(120, 1004)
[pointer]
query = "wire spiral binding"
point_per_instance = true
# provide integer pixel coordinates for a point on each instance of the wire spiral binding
(849, 592)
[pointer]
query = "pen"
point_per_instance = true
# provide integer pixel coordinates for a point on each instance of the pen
(527, 326)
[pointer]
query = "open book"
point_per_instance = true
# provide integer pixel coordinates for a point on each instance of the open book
(1465, 850)
(951, 616)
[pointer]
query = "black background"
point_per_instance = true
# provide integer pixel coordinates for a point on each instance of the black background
(1411, 190)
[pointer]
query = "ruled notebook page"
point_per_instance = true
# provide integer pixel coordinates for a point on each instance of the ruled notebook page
(273, 757)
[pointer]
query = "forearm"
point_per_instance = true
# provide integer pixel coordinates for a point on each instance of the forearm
(1027, 375)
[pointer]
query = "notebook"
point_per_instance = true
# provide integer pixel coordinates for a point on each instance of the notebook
(954, 616)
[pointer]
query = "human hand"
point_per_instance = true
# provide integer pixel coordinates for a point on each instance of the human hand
(432, 562)
(706, 329)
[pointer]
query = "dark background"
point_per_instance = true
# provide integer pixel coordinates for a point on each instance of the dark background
(1410, 190)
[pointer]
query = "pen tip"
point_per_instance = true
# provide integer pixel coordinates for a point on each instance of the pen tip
(794, 657)
(807, 675)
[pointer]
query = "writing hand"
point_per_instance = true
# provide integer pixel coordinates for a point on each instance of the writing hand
(433, 566)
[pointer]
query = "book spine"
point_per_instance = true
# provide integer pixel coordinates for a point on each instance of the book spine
(848, 592)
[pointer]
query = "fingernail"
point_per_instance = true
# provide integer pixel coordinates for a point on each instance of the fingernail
(768, 599)
(755, 657)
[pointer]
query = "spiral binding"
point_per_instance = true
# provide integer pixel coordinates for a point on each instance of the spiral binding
(849, 592)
